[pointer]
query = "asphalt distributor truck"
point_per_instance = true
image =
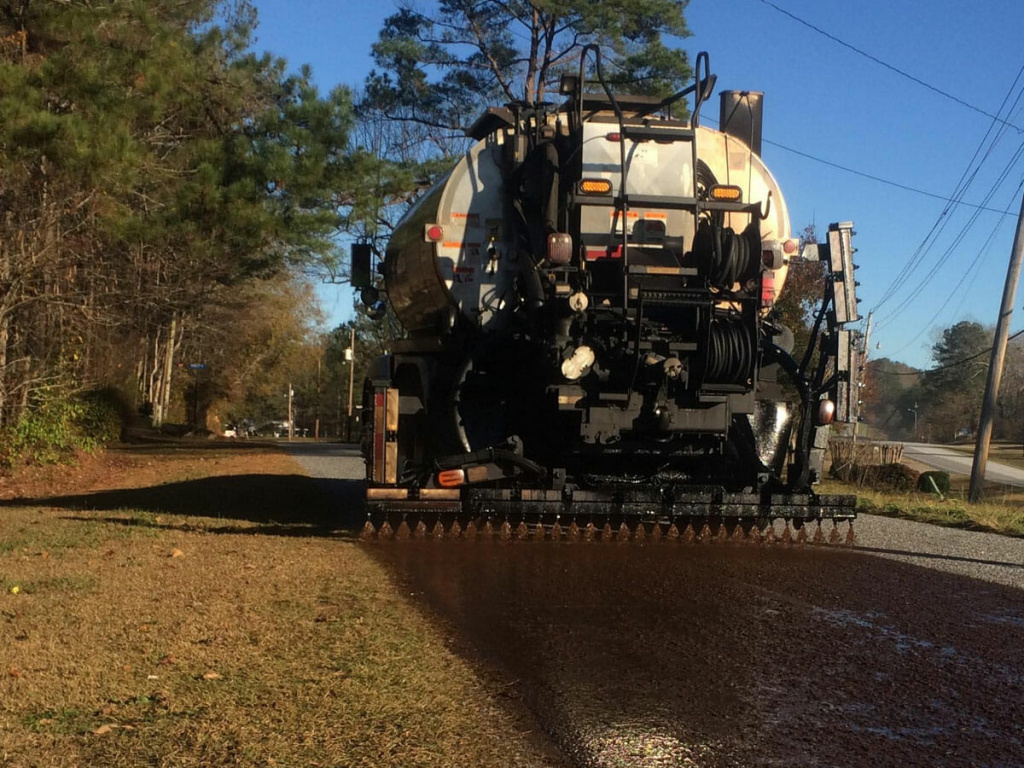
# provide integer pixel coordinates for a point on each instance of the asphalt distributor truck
(589, 348)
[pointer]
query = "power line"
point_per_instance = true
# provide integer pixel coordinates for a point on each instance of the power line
(941, 367)
(872, 177)
(888, 182)
(962, 185)
(888, 66)
(963, 295)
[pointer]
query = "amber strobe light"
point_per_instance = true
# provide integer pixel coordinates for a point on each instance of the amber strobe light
(595, 186)
(726, 193)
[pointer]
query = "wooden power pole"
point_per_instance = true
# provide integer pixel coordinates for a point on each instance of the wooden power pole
(995, 366)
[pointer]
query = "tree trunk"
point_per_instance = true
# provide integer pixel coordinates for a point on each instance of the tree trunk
(165, 386)
(5, 334)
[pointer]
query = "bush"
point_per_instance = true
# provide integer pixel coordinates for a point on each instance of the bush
(887, 477)
(896, 477)
(940, 479)
(103, 416)
(58, 425)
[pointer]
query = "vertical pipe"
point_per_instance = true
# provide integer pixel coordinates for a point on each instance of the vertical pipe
(291, 425)
(351, 382)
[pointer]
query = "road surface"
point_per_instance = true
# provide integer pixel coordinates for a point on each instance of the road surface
(907, 650)
(949, 460)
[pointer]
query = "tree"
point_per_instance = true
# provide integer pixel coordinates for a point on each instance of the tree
(492, 52)
(885, 395)
(952, 391)
(801, 296)
(153, 171)
(1009, 420)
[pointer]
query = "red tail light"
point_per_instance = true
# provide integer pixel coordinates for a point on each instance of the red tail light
(767, 289)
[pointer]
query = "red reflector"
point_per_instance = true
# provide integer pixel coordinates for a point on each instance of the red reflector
(789, 246)
(767, 289)
(451, 478)
(613, 136)
(434, 233)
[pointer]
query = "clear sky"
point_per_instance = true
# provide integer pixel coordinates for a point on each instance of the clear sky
(825, 100)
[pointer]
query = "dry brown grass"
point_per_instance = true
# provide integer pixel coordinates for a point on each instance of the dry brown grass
(141, 634)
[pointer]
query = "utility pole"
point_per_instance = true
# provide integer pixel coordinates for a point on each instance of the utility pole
(351, 380)
(291, 423)
(995, 366)
(867, 339)
(862, 360)
(316, 426)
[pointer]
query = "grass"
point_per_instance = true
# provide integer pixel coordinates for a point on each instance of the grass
(145, 635)
(1002, 512)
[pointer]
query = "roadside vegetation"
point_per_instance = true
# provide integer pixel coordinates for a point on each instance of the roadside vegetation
(1002, 511)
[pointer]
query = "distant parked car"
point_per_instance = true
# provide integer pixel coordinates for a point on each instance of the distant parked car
(230, 431)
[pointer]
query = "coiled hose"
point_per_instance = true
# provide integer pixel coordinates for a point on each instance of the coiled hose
(731, 353)
(728, 257)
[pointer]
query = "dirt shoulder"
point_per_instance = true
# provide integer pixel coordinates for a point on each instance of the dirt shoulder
(194, 605)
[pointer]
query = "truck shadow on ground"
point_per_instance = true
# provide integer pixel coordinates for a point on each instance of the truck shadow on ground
(294, 505)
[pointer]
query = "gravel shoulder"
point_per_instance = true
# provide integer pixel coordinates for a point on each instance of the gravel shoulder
(977, 555)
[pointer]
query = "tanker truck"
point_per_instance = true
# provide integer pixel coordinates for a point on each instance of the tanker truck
(589, 347)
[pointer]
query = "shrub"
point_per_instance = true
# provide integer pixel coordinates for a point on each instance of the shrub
(103, 415)
(58, 425)
(889, 477)
(940, 479)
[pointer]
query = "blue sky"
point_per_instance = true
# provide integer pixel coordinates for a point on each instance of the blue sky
(825, 100)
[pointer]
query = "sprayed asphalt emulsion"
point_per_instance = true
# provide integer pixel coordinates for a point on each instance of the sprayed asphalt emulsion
(742, 655)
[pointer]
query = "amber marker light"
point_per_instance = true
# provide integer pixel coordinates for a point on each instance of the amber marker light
(726, 193)
(451, 478)
(595, 186)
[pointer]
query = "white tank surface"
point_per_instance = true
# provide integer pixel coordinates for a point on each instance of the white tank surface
(454, 253)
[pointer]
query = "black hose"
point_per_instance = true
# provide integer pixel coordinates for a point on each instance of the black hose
(729, 257)
(731, 351)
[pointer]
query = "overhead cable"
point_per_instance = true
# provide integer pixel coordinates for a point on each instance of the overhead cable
(889, 66)
(941, 367)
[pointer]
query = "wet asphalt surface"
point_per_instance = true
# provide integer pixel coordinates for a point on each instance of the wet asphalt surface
(905, 650)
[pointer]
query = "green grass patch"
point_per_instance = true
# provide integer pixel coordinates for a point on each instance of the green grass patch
(68, 721)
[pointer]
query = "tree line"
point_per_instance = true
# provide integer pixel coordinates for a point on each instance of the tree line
(161, 186)
(943, 403)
